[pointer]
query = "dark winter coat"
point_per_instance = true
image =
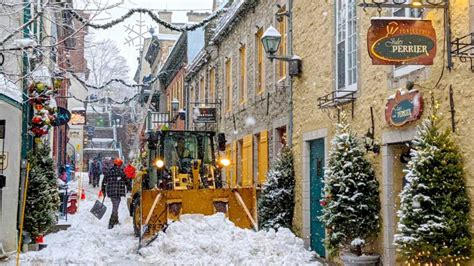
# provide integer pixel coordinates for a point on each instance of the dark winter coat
(115, 183)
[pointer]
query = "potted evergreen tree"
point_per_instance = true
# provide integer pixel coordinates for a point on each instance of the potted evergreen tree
(433, 228)
(42, 199)
(351, 204)
(276, 203)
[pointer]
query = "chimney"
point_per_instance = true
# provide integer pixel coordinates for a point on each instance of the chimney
(196, 17)
(166, 16)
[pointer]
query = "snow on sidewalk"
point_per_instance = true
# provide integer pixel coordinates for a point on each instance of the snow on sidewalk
(195, 240)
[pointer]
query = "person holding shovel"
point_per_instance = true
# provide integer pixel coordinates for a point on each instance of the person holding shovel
(114, 186)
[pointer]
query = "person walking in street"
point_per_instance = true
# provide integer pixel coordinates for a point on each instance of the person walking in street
(114, 186)
(95, 171)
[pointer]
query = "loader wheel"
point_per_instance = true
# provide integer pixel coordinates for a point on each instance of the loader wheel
(136, 216)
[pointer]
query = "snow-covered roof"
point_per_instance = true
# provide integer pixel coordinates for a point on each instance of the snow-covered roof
(197, 62)
(9, 89)
(227, 20)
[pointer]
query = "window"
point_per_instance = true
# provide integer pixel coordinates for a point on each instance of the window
(243, 74)
(228, 84)
(282, 28)
(181, 89)
(191, 94)
(179, 92)
(402, 70)
(260, 68)
(280, 140)
(202, 90)
(346, 45)
(212, 84)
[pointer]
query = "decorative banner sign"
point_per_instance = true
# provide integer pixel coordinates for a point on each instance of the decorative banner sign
(401, 42)
(205, 115)
(403, 108)
(62, 117)
(78, 117)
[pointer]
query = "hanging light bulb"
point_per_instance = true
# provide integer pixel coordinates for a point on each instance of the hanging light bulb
(417, 4)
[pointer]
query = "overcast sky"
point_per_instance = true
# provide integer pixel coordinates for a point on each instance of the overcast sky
(119, 33)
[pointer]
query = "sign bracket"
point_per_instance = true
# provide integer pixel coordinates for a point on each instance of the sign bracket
(336, 98)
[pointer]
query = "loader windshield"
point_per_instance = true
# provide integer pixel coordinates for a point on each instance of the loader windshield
(181, 149)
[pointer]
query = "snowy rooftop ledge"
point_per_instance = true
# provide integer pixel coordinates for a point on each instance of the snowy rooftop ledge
(9, 89)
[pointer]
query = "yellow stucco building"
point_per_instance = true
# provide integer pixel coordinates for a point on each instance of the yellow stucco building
(331, 38)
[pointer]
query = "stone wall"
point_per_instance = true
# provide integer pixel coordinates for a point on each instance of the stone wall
(314, 43)
(259, 112)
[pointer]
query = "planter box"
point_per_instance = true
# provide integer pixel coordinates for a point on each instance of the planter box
(365, 260)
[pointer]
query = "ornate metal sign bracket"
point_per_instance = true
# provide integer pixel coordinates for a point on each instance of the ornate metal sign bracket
(463, 48)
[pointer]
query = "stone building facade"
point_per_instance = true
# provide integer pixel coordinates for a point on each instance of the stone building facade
(315, 41)
(249, 91)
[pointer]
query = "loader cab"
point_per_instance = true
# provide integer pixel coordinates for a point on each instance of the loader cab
(172, 153)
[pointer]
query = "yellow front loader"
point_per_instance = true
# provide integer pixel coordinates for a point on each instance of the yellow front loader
(183, 175)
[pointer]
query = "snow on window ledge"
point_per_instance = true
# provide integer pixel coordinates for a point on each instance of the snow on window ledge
(405, 70)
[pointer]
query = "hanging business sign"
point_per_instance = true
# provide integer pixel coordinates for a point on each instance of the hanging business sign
(62, 117)
(401, 42)
(403, 108)
(205, 115)
(78, 117)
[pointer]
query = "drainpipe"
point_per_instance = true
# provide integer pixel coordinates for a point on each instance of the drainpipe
(290, 78)
(186, 97)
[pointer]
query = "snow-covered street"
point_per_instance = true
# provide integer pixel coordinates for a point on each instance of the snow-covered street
(195, 240)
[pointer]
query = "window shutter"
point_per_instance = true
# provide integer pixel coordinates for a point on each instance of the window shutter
(233, 181)
(228, 153)
(263, 157)
(247, 161)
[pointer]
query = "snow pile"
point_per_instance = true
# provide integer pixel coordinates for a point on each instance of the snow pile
(88, 241)
(195, 240)
(203, 240)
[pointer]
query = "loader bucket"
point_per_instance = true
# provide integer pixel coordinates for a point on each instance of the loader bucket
(239, 205)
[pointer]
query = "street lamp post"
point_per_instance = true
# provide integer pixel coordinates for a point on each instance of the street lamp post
(271, 42)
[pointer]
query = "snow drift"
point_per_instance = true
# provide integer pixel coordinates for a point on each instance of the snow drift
(195, 240)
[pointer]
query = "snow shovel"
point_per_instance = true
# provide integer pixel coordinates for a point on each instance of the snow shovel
(98, 210)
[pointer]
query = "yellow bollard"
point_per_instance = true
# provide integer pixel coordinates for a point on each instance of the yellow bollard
(22, 218)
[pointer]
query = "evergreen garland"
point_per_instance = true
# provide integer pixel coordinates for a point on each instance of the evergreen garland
(351, 204)
(434, 209)
(151, 14)
(42, 200)
(276, 203)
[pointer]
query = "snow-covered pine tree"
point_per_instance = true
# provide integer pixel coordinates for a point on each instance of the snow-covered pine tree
(42, 200)
(351, 204)
(434, 207)
(276, 203)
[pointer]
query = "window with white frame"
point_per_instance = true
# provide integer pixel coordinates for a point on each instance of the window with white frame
(414, 13)
(346, 45)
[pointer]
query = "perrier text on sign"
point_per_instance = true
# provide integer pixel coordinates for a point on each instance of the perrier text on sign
(401, 42)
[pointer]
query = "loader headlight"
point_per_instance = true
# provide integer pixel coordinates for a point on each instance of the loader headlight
(224, 162)
(159, 163)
